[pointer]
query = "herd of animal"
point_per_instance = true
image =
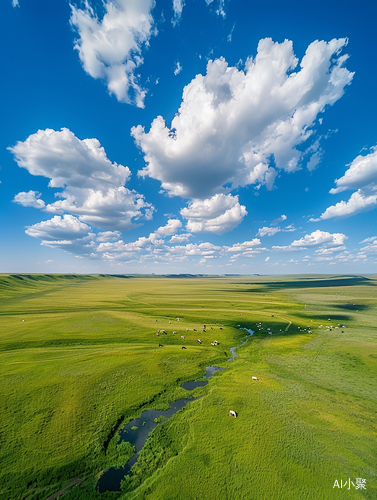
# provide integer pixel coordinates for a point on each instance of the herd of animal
(259, 326)
(162, 331)
(232, 413)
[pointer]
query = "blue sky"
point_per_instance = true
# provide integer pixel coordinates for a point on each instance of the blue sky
(192, 136)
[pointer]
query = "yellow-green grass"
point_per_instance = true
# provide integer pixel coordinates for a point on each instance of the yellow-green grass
(79, 356)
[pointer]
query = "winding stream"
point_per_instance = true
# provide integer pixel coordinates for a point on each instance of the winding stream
(242, 342)
(137, 431)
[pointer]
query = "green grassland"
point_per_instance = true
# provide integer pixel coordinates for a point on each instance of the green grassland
(79, 358)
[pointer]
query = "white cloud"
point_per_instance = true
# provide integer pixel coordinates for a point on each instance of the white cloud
(15, 3)
(316, 238)
(231, 122)
(218, 214)
(65, 233)
(193, 249)
(267, 259)
(93, 186)
(229, 37)
(246, 246)
(370, 248)
(111, 48)
(329, 251)
(220, 10)
(269, 231)
(279, 219)
(369, 240)
(29, 199)
(59, 228)
(108, 236)
(177, 8)
(155, 238)
(170, 228)
(358, 202)
(180, 238)
(361, 175)
(314, 161)
(178, 68)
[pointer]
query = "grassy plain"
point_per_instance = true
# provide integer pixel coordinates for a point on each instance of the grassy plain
(79, 357)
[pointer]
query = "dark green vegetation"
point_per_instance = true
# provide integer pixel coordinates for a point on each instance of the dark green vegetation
(79, 357)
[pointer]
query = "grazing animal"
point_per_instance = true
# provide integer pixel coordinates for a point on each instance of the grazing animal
(212, 343)
(232, 414)
(183, 347)
(211, 328)
(182, 336)
(195, 330)
(204, 331)
(220, 328)
(254, 378)
(200, 342)
(160, 345)
(157, 334)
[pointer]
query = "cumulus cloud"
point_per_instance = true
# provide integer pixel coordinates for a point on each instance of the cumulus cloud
(178, 68)
(246, 246)
(358, 202)
(59, 228)
(65, 233)
(180, 238)
(108, 236)
(170, 228)
(218, 214)
(110, 48)
(29, 199)
(93, 186)
(331, 250)
(361, 175)
(177, 8)
(232, 122)
(270, 231)
(15, 3)
(316, 238)
(372, 248)
(156, 238)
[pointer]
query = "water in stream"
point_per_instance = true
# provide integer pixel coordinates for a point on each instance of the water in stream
(112, 477)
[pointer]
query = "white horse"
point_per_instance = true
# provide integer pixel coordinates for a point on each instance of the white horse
(232, 414)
